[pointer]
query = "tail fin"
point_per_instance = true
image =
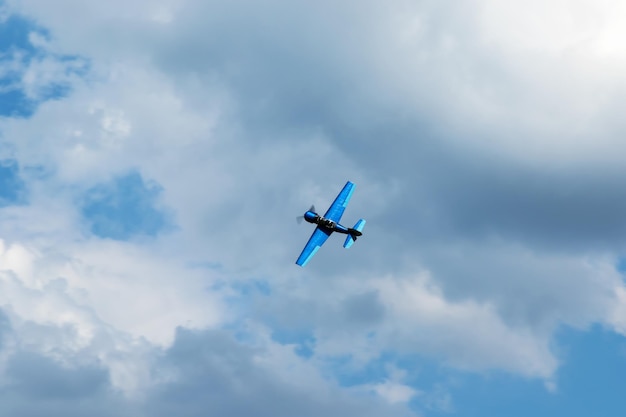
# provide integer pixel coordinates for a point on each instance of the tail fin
(356, 232)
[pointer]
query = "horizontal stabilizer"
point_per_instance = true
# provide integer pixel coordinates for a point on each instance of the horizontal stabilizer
(352, 237)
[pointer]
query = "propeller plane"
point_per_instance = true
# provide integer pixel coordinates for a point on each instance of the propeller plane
(329, 223)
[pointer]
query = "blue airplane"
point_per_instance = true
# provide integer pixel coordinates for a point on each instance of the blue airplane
(328, 224)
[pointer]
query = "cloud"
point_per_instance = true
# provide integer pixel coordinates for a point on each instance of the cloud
(484, 140)
(208, 372)
(29, 72)
(42, 378)
(394, 393)
(202, 371)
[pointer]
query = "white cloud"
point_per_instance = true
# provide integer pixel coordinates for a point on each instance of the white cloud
(479, 136)
(392, 389)
(466, 334)
(394, 393)
(115, 300)
(132, 289)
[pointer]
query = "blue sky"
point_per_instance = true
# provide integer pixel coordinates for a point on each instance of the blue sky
(153, 158)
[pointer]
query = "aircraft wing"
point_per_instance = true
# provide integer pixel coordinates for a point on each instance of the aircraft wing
(315, 242)
(336, 209)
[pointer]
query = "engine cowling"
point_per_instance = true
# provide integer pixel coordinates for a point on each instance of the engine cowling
(311, 217)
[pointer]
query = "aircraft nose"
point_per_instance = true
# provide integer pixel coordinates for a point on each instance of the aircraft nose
(309, 216)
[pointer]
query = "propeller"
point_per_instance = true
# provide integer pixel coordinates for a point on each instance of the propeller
(300, 218)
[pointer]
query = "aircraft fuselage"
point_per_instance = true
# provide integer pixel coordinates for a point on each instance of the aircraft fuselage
(329, 225)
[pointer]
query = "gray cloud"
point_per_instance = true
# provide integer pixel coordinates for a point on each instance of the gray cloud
(53, 383)
(487, 166)
(364, 308)
(331, 69)
(203, 372)
(213, 374)
(39, 377)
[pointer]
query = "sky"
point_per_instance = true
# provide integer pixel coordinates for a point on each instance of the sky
(154, 156)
